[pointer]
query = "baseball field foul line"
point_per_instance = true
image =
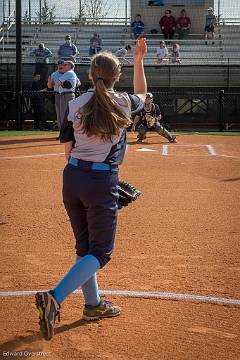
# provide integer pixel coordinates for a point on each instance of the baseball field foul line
(165, 150)
(212, 150)
(140, 294)
(28, 156)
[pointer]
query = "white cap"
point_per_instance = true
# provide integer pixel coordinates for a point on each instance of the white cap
(210, 9)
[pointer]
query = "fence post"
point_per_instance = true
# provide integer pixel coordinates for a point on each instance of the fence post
(126, 12)
(3, 42)
(3, 10)
(228, 74)
(219, 11)
(220, 110)
(29, 12)
(40, 11)
(18, 85)
(169, 75)
(8, 82)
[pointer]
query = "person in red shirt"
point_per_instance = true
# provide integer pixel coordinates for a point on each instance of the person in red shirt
(168, 25)
(183, 25)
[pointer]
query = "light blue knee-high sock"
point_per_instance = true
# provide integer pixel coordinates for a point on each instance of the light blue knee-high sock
(90, 289)
(79, 273)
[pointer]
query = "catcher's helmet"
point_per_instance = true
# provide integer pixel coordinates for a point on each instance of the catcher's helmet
(149, 95)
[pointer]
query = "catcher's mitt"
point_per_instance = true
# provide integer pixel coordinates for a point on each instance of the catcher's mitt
(150, 120)
(127, 193)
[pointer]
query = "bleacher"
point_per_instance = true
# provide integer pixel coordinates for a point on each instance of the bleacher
(54, 35)
(193, 49)
(217, 65)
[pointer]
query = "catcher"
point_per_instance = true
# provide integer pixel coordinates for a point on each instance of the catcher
(149, 118)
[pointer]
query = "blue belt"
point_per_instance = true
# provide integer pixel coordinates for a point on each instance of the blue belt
(89, 165)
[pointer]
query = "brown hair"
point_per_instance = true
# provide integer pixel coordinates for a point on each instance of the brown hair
(102, 116)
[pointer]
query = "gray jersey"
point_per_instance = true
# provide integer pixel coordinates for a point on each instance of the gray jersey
(93, 148)
(210, 20)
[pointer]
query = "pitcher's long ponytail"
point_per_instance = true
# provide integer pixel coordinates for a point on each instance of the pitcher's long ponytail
(102, 116)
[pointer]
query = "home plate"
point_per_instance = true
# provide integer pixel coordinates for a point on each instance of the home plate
(145, 149)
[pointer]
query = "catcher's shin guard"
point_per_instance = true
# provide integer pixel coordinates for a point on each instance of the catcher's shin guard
(162, 131)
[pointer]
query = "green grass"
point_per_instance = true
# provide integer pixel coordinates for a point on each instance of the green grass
(218, 133)
(55, 133)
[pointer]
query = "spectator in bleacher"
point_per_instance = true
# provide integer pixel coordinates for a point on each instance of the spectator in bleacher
(211, 21)
(168, 25)
(183, 25)
(42, 55)
(162, 53)
(137, 27)
(38, 103)
(175, 55)
(95, 44)
(53, 82)
(122, 53)
(68, 51)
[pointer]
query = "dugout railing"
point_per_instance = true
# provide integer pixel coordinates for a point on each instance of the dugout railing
(221, 76)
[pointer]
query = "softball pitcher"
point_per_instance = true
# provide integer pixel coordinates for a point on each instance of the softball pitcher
(97, 123)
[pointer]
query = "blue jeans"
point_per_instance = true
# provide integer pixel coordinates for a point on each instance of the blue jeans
(93, 51)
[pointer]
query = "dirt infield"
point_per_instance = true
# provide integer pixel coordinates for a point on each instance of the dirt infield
(181, 236)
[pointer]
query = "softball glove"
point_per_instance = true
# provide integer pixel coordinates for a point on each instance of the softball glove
(127, 193)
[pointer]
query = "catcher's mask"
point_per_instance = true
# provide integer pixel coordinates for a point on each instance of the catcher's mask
(149, 96)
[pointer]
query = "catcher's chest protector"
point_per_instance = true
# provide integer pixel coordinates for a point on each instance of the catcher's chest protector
(151, 111)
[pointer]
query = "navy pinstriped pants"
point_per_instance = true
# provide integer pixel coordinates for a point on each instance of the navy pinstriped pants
(90, 198)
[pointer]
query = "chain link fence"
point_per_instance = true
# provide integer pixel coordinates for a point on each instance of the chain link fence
(226, 10)
(51, 11)
(182, 109)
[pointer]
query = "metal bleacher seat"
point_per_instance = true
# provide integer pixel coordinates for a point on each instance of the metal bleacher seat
(193, 51)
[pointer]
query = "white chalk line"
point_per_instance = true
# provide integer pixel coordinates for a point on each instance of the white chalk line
(189, 145)
(189, 155)
(230, 156)
(212, 150)
(204, 156)
(165, 150)
(145, 150)
(29, 156)
(139, 294)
